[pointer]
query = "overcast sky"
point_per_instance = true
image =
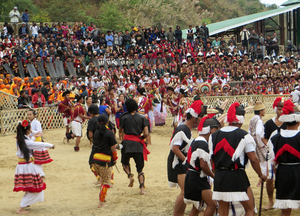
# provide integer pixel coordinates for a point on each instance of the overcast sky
(278, 2)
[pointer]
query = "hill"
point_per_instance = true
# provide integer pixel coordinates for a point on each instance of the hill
(121, 14)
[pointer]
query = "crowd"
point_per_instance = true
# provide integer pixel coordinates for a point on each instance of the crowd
(138, 75)
(147, 57)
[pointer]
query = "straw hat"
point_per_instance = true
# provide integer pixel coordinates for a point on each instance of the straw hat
(259, 106)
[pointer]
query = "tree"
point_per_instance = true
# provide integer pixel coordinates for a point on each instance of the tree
(111, 17)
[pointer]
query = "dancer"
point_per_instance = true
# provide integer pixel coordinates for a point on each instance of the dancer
(120, 109)
(180, 143)
(285, 157)
(172, 102)
(231, 147)
(196, 187)
(79, 116)
(40, 156)
(27, 178)
(65, 107)
(160, 112)
(270, 126)
(104, 155)
(133, 125)
(144, 106)
(256, 130)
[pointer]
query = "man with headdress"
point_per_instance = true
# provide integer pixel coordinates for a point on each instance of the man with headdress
(285, 156)
(180, 144)
(65, 107)
(144, 106)
(270, 126)
(133, 125)
(196, 187)
(256, 130)
(231, 147)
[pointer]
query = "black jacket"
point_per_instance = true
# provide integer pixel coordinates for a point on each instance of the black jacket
(20, 31)
(178, 34)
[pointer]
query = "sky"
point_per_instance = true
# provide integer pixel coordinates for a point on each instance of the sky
(278, 2)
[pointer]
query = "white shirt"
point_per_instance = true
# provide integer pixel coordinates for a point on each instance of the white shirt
(295, 96)
(259, 131)
(34, 29)
(33, 146)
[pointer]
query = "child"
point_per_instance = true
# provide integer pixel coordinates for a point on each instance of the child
(41, 156)
(104, 155)
(27, 178)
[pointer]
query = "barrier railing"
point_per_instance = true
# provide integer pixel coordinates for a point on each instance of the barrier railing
(8, 101)
(48, 116)
(51, 119)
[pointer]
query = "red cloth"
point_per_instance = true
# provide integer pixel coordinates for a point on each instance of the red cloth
(138, 139)
(35, 99)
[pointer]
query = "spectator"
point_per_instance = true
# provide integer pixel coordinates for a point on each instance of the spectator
(190, 34)
(46, 91)
(25, 18)
(23, 31)
(109, 39)
(259, 53)
(38, 100)
(216, 43)
(126, 39)
(178, 34)
(7, 30)
(206, 31)
(95, 98)
(253, 40)
(14, 19)
(170, 35)
(41, 29)
(245, 34)
(232, 40)
(23, 100)
(34, 30)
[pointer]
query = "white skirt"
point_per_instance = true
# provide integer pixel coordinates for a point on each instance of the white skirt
(76, 128)
(30, 198)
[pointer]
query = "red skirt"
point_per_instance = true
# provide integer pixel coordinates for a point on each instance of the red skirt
(27, 179)
(42, 157)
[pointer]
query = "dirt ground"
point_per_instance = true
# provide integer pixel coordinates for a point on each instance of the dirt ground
(70, 189)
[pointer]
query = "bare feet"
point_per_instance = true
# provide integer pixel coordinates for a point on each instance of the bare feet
(131, 181)
(269, 206)
(22, 211)
(98, 182)
(143, 191)
(101, 204)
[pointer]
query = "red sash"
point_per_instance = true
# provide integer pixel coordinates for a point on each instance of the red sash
(137, 139)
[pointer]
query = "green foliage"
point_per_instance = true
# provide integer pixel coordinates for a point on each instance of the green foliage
(41, 16)
(206, 20)
(110, 16)
(7, 5)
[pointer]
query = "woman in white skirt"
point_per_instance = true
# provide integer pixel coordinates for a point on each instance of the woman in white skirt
(160, 111)
(27, 178)
(41, 156)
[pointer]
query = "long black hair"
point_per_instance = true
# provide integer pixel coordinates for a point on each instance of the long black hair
(101, 127)
(21, 132)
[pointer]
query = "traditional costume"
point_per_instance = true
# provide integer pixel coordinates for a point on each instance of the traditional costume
(65, 107)
(133, 144)
(41, 156)
(196, 180)
(285, 156)
(27, 178)
(103, 160)
(256, 130)
(77, 122)
(160, 111)
(182, 136)
(228, 147)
